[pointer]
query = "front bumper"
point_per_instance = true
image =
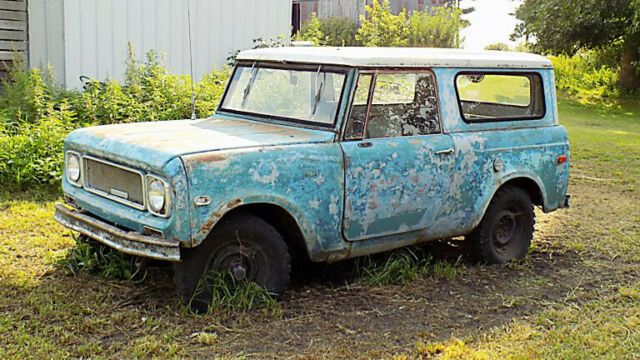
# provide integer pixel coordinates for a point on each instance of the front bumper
(128, 242)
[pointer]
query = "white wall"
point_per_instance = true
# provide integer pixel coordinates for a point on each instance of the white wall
(96, 33)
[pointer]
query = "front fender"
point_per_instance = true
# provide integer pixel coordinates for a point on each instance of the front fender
(305, 180)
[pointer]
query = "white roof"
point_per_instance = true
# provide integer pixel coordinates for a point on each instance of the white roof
(378, 56)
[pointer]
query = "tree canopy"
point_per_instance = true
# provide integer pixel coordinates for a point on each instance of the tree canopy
(568, 26)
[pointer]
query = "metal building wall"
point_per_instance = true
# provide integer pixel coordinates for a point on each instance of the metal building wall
(94, 34)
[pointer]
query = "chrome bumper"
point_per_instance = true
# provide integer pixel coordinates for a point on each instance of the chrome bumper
(128, 242)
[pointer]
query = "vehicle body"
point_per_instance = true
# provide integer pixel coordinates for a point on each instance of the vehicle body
(343, 151)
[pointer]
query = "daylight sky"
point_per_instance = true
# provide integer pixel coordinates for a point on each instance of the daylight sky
(490, 23)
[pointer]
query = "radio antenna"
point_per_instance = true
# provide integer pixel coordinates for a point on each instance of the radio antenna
(193, 92)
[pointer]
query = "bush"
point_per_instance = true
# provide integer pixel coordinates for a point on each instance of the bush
(36, 116)
(498, 47)
(585, 76)
(435, 27)
(335, 31)
(438, 27)
(383, 28)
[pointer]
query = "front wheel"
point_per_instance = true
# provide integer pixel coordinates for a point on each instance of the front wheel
(506, 230)
(243, 245)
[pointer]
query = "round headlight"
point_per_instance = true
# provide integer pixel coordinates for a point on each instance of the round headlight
(73, 167)
(156, 195)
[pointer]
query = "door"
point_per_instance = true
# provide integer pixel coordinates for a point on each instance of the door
(398, 163)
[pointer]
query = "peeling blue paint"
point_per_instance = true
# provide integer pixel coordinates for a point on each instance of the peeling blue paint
(348, 200)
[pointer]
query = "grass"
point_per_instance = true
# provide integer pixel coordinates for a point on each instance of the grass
(576, 296)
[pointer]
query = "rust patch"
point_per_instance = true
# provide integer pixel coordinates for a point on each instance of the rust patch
(209, 157)
(234, 203)
(208, 225)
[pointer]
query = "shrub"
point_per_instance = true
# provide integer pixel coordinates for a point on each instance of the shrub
(311, 32)
(32, 152)
(334, 31)
(438, 27)
(435, 27)
(584, 76)
(498, 46)
(36, 116)
(340, 31)
(383, 28)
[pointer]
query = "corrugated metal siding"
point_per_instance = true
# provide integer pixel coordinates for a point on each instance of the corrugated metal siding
(96, 33)
(46, 35)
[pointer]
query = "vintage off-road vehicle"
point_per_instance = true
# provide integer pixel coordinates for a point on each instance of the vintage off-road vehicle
(333, 153)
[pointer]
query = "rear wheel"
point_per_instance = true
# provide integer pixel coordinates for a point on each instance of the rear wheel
(506, 230)
(246, 247)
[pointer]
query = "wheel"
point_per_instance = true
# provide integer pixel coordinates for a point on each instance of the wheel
(506, 230)
(245, 246)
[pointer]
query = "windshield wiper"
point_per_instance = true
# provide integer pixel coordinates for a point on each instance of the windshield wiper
(316, 99)
(247, 89)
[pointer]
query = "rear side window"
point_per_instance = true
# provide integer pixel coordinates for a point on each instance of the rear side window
(485, 96)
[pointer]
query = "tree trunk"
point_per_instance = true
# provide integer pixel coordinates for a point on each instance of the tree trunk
(629, 76)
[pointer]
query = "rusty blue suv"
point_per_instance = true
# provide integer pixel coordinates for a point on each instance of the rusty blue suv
(332, 153)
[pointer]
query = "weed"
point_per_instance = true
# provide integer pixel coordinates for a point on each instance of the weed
(36, 116)
(229, 294)
(97, 259)
(401, 266)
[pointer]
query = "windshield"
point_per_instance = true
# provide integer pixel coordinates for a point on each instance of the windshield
(310, 94)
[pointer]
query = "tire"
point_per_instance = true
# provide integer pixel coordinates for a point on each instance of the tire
(243, 244)
(506, 230)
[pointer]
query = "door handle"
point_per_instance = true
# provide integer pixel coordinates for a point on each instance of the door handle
(444, 152)
(365, 144)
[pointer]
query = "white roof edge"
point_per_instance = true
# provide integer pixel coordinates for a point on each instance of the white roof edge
(400, 57)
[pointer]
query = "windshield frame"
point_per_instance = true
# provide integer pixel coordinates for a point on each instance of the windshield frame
(312, 67)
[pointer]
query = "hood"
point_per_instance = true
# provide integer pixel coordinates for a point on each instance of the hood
(153, 144)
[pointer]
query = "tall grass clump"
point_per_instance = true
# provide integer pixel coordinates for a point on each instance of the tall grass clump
(228, 294)
(97, 259)
(402, 266)
(36, 115)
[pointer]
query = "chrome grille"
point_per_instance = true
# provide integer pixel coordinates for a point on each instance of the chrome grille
(113, 181)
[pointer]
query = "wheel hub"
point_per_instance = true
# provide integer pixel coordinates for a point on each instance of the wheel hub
(239, 272)
(505, 228)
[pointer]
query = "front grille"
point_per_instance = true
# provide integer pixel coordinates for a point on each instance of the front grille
(114, 181)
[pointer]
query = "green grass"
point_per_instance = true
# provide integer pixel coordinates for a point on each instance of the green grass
(576, 296)
(603, 227)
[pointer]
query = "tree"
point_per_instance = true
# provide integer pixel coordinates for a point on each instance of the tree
(498, 47)
(568, 26)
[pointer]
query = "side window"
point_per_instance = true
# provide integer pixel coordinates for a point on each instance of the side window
(496, 97)
(358, 116)
(404, 104)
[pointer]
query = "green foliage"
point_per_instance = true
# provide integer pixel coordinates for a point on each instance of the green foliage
(96, 259)
(335, 31)
(36, 116)
(32, 152)
(585, 77)
(401, 266)
(238, 296)
(437, 27)
(498, 46)
(567, 27)
(382, 27)
(311, 32)
(340, 31)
